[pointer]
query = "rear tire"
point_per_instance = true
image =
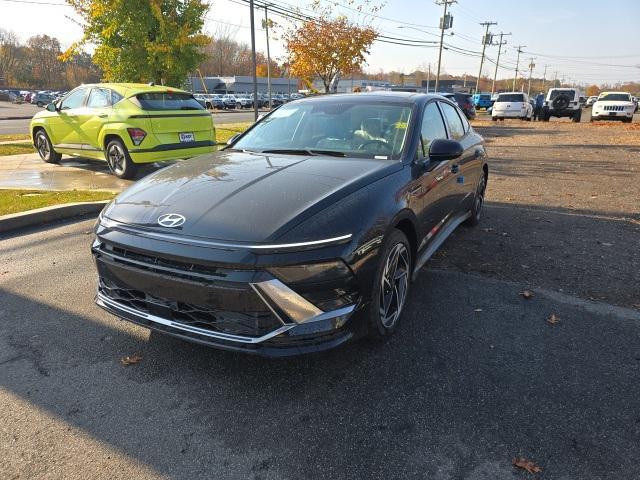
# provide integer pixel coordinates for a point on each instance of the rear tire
(494, 119)
(45, 148)
(478, 202)
(119, 160)
(576, 117)
(390, 286)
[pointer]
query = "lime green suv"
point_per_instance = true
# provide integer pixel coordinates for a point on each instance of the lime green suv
(124, 123)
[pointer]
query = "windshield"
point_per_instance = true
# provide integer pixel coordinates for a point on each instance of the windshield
(615, 97)
(350, 129)
(510, 97)
(568, 93)
(168, 101)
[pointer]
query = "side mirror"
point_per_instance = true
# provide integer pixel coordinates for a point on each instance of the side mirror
(441, 150)
(233, 139)
(52, 107)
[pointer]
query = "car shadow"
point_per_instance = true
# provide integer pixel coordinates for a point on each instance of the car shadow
(101, 166)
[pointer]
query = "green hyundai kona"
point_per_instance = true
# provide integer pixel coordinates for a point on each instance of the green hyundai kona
(124, 123)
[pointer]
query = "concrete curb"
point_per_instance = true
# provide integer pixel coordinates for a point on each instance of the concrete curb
(39, 216)
(17, 118)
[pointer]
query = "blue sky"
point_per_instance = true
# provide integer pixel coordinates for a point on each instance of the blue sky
(586, 41)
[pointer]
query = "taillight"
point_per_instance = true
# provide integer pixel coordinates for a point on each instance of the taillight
(137, 135)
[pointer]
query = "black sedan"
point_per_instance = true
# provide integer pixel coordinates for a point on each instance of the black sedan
(305, 232)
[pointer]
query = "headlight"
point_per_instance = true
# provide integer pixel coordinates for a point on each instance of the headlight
(329, 285)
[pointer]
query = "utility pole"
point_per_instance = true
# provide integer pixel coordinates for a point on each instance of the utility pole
(266, 29)
(544, 78)
(486, 40)
(531, 67)
(253, 57)
(495, 73)
(555, 79)
(445, 23)
(519, 47)
(428, 77)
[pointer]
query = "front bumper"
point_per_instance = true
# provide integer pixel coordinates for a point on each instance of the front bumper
(234, 309)
(611, 115)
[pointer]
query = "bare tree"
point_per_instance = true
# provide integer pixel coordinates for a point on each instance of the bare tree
(9, 53)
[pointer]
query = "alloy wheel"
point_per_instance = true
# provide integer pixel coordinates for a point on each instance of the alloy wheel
(479, 200)
(116, 158)
(394, 285)
(43, 147)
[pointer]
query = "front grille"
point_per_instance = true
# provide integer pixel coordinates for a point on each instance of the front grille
(250, 324)
(614, 108)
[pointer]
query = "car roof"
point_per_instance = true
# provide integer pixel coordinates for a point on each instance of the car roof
(131, 89)
(379, 96)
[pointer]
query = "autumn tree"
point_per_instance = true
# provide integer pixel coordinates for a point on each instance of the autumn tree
(143, 40)
(592, 90)
(327, 48)
(9, 53)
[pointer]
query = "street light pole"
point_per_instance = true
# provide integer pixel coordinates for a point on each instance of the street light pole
(443, 27)
(485, 39)
(255, 65)
(531, 67)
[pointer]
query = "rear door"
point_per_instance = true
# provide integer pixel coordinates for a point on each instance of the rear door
(464, 170)
(177, 118)
(94, 116)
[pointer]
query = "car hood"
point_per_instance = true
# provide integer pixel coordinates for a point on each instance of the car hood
(621, 103)
(244, 196)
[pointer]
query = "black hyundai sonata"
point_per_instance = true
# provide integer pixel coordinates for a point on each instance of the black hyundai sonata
(303, 233)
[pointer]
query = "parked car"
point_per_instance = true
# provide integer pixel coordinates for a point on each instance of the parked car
(229, 101)
(244, 249)
(482, 100)
(591, 100)
(245, 100)
(562, 102)
(512, 105)
(464, 101)
(213, 100)
(42, 98)
(277, 100)
(201, 100)
(126, 124)
(27, 97)
(613, 106)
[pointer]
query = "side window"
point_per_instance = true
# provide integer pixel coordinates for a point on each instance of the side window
(115, 97)
(432, 127)
(453, 121)
(74, 99)
(99, 98)
(465, 122)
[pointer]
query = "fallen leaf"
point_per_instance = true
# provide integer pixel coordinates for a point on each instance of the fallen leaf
(131, 359)
(5, 272)
(526, 294)
(553, 319)
(525, 464)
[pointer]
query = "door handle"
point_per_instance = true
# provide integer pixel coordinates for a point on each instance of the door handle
(455, 168)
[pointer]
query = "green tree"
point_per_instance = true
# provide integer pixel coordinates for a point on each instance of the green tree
(143, 40)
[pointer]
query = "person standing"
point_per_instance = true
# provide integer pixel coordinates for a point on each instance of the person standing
(537, 109)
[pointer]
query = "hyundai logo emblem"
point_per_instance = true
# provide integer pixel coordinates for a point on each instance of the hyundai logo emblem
(171, 220)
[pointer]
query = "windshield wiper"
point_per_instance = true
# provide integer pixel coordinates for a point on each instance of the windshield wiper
(304, 151)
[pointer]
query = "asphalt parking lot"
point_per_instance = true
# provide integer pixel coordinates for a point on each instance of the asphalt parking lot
(476, 375)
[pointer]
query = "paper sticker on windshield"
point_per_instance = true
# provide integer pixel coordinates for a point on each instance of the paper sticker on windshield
(283, 112)
(400, 125)
(381, 157)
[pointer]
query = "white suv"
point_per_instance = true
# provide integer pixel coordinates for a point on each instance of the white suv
(562, 102)
(613, 106)
(512, 105)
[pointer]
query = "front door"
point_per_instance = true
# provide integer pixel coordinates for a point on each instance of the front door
(67, 133)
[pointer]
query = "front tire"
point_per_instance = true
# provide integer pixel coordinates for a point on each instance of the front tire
(576, 117)
(119, 160)
(45, 148)
(390, 287)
